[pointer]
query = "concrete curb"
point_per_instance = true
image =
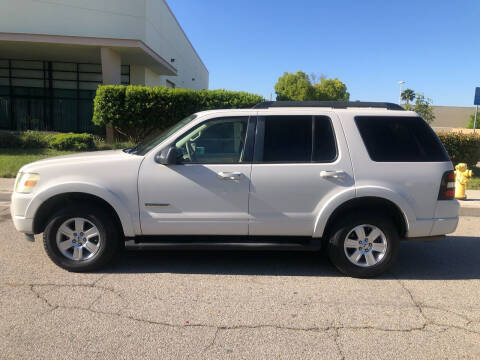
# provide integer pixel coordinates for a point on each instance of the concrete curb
(469, 211)
(471, 206)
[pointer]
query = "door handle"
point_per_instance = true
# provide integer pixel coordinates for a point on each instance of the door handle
(335, 174)
(229, 175)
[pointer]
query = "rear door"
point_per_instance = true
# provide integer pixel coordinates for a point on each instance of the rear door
(300, 161)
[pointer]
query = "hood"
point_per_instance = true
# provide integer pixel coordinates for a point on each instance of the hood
(80, 159)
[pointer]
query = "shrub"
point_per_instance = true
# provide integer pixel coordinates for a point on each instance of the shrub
(10, 139)
(71, 141)
(471, 120)
(59, 141)
(137, 111)
(27, 140)
(35, 139)
(462, 147)
(102, 145)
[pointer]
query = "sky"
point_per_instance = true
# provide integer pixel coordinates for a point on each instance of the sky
(370, 45)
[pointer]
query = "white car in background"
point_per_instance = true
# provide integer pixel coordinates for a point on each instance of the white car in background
(353, 178)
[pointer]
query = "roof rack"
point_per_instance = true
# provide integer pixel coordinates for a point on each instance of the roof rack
(330, 104)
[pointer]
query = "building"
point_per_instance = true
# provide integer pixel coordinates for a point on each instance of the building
(452, 116)
(54, 54)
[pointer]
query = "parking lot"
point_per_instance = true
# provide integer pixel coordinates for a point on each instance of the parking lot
(173, 305)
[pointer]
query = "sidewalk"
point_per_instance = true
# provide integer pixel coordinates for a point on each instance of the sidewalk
(6, 188)
(469, 207)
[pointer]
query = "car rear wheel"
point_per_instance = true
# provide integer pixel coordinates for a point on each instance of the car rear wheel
(363, 245)
(81, 239)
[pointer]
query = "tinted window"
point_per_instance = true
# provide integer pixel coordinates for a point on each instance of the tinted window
(289, 139)
(397, 139)
(325, 146)
(149, 144)
(217, 141)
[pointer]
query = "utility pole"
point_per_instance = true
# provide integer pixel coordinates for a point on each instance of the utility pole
(476, 102)
(475, 119)
(400, 95)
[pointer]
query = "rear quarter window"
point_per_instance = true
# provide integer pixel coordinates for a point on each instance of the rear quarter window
(400, 139)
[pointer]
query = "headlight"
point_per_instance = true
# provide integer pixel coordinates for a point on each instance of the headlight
(26, 182)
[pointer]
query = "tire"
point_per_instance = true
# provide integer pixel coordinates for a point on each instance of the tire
(84, 251)
(370, 256)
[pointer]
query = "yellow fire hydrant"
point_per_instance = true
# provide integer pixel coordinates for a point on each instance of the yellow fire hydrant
(462, 177)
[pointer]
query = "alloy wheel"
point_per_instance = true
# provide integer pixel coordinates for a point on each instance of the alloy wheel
(365, 245)
(78, 239)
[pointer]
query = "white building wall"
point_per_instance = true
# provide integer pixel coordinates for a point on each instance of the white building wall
(120, 19)
(147, 20)
(163, 33)
(137, 75)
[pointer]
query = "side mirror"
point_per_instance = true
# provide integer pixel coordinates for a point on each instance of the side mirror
(168, 156)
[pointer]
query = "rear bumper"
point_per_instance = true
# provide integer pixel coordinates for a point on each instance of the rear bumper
(444, 226)
(426, 238)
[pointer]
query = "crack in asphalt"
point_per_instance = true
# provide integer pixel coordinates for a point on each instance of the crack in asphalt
(212, 343)
(414, 302)
(336, 339)
(336, 328)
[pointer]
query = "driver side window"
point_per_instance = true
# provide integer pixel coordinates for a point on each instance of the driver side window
(216, 141)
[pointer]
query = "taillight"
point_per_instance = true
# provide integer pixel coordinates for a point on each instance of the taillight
(447, 186)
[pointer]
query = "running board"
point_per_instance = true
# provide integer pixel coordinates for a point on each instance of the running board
(138, 244)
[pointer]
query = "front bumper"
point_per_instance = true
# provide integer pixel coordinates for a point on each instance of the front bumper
(22, 224)
(18, 209)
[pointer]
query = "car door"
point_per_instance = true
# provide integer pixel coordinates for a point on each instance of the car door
(206, 193)
(300, 161)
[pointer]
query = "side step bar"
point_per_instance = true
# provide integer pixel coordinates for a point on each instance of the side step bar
(222, 244)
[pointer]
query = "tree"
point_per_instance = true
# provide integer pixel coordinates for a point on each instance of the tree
(302, 87)
(472, 120)
(294, 87)
(331, 89)
(423, 108)
(408, 95)
(315, 78)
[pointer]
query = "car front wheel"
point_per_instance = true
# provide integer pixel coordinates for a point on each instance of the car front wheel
(81, 239)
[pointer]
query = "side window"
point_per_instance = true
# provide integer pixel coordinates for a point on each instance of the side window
(400, 139)
(216, 141)
(287, 139)
(325, 149)
(298, 138)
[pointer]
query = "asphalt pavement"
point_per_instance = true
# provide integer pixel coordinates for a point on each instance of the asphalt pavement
(241, 305)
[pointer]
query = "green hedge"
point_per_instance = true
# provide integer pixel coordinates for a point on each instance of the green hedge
(137, 111)
(26, 140)
(462, 147)
(57, 141)
(77, 142)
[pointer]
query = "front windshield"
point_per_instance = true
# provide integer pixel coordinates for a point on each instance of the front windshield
(147, 145)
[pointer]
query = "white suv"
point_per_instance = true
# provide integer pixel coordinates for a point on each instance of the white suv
(355, 178)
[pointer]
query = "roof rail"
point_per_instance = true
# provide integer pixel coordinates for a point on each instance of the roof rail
(330, 104)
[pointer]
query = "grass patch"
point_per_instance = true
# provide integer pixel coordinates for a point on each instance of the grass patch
(474, 184)
(11, 160)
